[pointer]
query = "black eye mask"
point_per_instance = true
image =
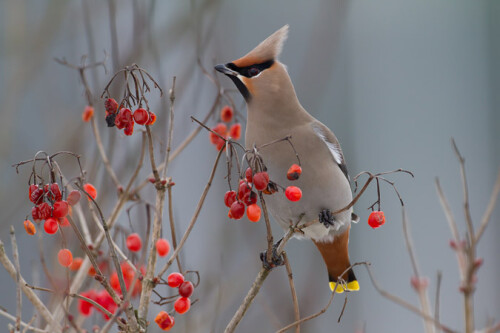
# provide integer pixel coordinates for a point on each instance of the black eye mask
(252, 70)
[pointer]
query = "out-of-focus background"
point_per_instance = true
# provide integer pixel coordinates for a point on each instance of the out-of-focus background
(395, 80)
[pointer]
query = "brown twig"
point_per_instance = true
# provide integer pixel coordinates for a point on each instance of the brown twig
(15, 257)
(269, 232)
(25, 325)
(438, 291)
(405, 304)
(32, 297)
(172, 226)
(292, 289)
(489, 210)
(323, 310)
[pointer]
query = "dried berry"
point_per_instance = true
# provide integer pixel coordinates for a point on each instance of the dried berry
(260, 180)
(87, 113)
(29, 227)
(229, 198)
(294, 172)
(226, 114)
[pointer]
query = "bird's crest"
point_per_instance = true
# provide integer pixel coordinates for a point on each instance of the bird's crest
(269, 49)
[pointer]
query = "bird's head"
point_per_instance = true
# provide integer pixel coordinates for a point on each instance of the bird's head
(258, 75)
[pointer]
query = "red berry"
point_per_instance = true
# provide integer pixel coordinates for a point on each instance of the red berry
(260, 180)
(85, 307)
(35, 213)
(88, 113)
(141, 116)
(221, 129)
(164, 321)
(376, 219)
(114, 282)
(293, 193)
(229, 198)
(51, 226)
(73, 197)
(226, 114)
(106, 301)
(61, 209)
(186, 289)
(54, 193)
(294, 172)
(174, 280)
(248, 175)
(152, 118)
(65, 257)
(237, 210)
(29, 227)
(243, 189)
(75, 265)
(36, 195)
(134, 242)
(123, 118)
(111, 105)
(250, 198)
(162, 247)
(31, 189)
(90, 189)
(129, 129)
(182, 305)
(45, 210)
(235, 131)
(253, 213)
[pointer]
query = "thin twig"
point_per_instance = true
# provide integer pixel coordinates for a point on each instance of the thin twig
(420, 289)
(170, 129)
(323, 310)
(194, 218)
(32, 297)
(405, 304)
(15, 257)
(489, 210)
(438, 290)
(292, 289)
(172, 226)
(25, 325)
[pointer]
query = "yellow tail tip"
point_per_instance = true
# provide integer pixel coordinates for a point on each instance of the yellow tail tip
(351, 286)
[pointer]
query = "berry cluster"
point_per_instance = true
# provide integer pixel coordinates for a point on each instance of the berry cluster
(124, 118)
(102, 298)
(234, 131)
(128, 277)
(181, 305)
(49, 207)
(259, 181)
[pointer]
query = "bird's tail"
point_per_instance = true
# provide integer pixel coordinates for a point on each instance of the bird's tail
(336, 257)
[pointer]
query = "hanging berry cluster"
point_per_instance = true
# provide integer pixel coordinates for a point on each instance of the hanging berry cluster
(256, 180)
(234, 132)
(136, 86)
(182, 302)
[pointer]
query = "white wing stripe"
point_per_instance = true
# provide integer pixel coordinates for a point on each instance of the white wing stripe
(334, 149)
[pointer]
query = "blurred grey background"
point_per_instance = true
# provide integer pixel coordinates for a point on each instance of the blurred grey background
(395, 80)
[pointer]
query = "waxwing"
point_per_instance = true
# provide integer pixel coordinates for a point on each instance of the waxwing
(274, 112)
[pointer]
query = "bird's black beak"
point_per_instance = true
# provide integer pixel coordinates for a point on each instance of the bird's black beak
(224, 70)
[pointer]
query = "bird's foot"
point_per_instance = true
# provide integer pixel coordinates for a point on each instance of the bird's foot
(326, 218)
(275, 260)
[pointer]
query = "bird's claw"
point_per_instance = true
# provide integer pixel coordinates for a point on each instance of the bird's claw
(326, 218)
(276, 260)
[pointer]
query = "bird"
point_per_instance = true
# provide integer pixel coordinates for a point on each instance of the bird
(274, 112)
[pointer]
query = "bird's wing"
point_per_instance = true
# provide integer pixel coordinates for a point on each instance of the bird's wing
(332, 143)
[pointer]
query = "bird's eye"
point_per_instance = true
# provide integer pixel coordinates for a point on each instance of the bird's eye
(253, 71)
